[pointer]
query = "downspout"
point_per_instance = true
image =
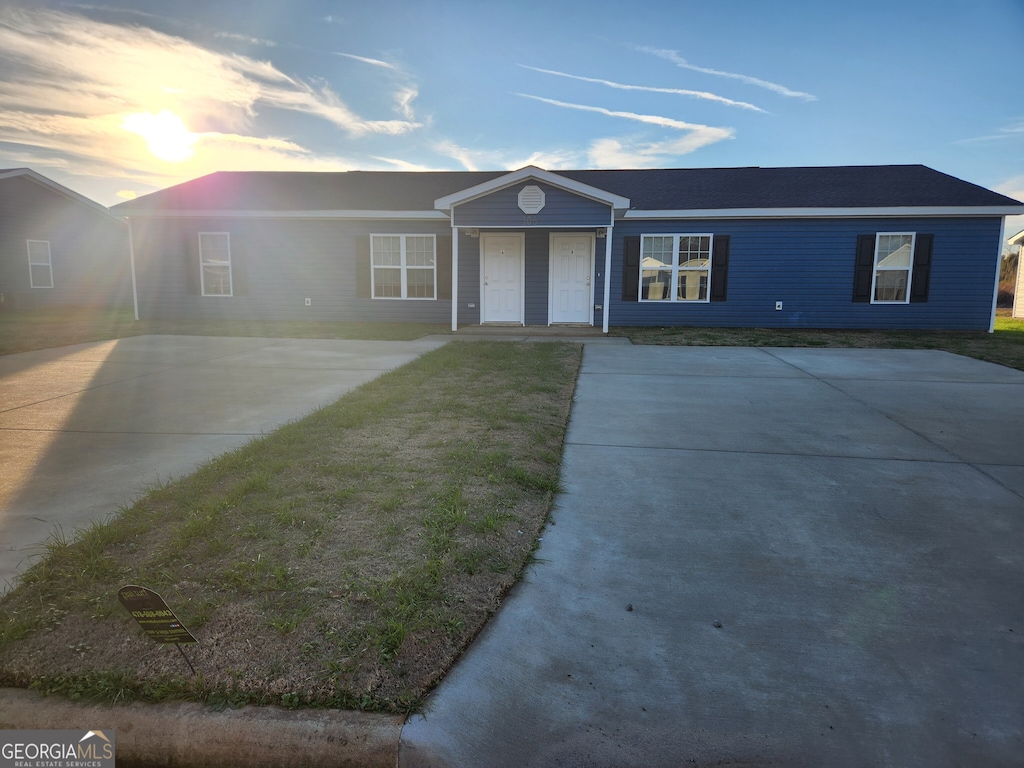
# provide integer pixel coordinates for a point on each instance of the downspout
(607, 275)
(131, 261)
(999, 264)
(455, 277)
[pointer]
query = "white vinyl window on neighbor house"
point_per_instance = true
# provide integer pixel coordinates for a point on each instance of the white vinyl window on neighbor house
(675, 267)
(894, 261)
(40, 267)
(404, 266)
(215, 263)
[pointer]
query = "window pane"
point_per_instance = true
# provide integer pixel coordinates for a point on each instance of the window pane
(215, 248)
(419, 251)
(216, 280)
(693, 285)
(41, 276)
(387, 251)
(38, 252)
(387, 283)
(657, 252)
(891, 285)
(420, 283)
(656, 284)
(893, 251)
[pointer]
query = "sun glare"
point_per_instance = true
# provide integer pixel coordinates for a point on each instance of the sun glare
(165, 134)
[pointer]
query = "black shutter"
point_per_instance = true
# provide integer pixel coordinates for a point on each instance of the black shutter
(719, 267)
(193, 285)
(864, 267)
(239, 265)
(630, 268)
(922, 268)
(363, 266)
(444, 267)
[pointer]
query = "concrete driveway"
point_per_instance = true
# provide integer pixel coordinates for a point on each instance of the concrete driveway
(84, 429)
(763, 557)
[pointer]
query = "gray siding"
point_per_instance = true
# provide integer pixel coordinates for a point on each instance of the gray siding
(88, 251)
(561, 209)
(809, 265)
(277, 264)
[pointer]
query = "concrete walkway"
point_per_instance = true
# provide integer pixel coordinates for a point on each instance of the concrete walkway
(763, 557)
(84, 429)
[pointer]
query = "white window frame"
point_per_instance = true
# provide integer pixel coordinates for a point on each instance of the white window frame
(33, 264)
(876, 268)
(203, 263)
(403, 267)
(673, 289)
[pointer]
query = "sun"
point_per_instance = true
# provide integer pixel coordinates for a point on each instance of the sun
(165, 134)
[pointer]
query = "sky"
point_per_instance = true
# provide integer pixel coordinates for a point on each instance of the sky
(119, 98)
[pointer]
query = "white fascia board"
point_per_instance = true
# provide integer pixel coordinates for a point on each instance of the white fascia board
(346, 214)
(61, 189)
(1017, 239)
(825, 213)
(530, 172)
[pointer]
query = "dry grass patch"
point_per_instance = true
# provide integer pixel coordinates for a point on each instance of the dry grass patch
(345, 560)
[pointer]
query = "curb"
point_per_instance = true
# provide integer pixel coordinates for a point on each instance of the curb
(189, 734)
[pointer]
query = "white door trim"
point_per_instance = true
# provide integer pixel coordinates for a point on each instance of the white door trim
(551, 273)
(521, 237)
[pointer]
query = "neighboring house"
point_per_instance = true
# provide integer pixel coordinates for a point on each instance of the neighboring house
(1018, 289)
(58, 247)
(830, 247)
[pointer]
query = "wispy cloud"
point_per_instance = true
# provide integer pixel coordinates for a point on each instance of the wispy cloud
(246, 39)
(1015, 131)
(477, 159)
(70, 83)
(709, 134)
(366, 60)
(679, 61)
(633, 153)
(649, 88)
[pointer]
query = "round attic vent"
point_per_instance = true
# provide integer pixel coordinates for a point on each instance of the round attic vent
(531, 199)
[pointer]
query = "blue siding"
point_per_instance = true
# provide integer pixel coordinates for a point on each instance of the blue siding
(561, 209)
(469, 280)
(808, 265)
(278, 264)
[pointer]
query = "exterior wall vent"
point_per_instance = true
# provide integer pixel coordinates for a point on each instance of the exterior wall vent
(531, 199)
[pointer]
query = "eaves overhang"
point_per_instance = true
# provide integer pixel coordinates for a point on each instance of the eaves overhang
(825, 213)
(272, 214)
(528, 173)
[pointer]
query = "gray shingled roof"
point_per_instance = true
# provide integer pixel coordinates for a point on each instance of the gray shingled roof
(877, 186)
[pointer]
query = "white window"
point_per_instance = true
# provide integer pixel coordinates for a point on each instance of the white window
(215, 263)
(40, 268)
(894, 263)
(404, 266)
(675, 267)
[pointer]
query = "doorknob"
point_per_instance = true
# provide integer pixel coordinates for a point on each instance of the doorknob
(588, 279)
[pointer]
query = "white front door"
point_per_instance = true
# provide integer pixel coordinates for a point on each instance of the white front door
(571, 278)
(502, 277)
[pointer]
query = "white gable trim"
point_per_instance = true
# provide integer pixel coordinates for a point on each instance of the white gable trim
(533, 173)
(828, 213)
(38, 178)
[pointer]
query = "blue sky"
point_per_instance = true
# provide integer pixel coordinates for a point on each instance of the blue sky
(120, 97)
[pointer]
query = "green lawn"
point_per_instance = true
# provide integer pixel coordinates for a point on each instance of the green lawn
(344, 560)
